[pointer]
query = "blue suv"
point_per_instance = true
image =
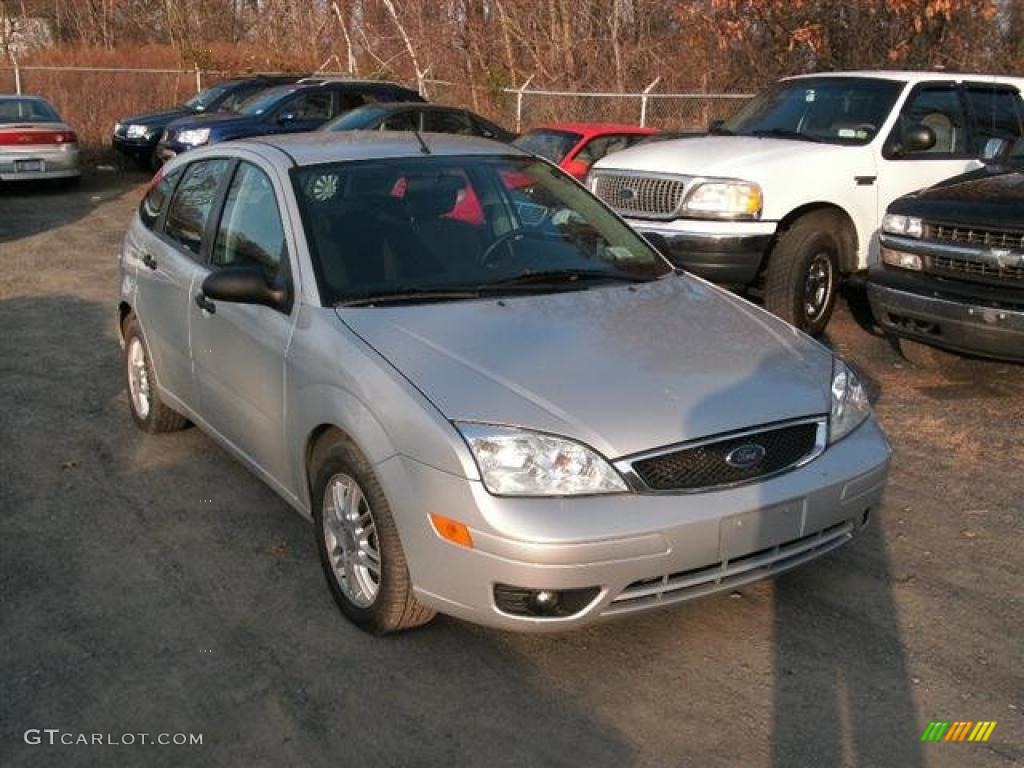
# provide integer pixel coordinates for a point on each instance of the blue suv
(301, 106)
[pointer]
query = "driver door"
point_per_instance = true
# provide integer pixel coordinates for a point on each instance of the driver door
(240, 349)
(306, 111)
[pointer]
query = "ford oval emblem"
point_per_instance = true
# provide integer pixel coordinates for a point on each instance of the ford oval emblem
(745, 456)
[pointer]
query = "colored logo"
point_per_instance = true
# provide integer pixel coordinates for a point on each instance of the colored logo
(745, 456)
(958, 730)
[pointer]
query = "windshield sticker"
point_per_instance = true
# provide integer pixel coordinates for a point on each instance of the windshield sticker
(809, 95)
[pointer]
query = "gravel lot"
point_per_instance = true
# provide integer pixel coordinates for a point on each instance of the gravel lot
(128, 604)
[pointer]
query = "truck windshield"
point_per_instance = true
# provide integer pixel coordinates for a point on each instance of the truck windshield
(836, 110)
(452, 228)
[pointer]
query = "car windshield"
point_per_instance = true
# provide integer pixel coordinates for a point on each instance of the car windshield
(446, 228)
(355, 120)
(837, 110)
(553, 145)
(21, 110)
(265, 100)
(203, 100)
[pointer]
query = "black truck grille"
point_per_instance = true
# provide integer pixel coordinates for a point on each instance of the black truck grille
(705, 465)
(983, 238)
(991, 255)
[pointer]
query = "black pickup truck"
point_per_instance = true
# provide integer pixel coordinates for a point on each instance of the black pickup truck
(951, 272)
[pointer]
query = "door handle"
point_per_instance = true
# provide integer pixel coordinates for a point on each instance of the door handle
(148, 260)
(205, 304)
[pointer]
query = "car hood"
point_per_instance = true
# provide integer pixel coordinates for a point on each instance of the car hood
(745, 157)
(161, 119)
(986, 197)
(623, 369)
(223, 120)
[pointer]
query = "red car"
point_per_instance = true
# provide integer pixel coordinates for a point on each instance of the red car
(577, 146)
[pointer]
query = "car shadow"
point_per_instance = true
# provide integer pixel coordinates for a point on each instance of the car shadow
(150, 584)
(33, 207)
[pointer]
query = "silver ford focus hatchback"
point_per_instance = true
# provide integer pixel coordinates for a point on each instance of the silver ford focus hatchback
(492, 397)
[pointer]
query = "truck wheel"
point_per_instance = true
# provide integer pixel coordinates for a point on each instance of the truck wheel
(802, 278)
(149, 412)
(359, 548)
(925, 355)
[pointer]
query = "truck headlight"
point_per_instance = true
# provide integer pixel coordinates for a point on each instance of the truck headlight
(194, 136)
(137, 132)
(850, 406)
(724, 199)
(518, 462)
(896, 224)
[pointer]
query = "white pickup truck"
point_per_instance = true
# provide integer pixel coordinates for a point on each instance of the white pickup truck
(788, 194)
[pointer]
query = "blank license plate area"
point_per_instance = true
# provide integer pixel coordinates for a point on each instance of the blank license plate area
(763, 528)
(28, 166)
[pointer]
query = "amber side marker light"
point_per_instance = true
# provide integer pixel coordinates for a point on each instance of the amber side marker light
(451, 530)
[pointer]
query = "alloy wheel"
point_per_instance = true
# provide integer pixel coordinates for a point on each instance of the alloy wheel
(351, 538)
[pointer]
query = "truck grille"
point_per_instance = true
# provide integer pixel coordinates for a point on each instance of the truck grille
(984, 238)
(652, 197)
(957, 266)
(706, 464)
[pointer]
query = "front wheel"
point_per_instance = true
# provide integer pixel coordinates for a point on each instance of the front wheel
(360, 551)
(802, 279)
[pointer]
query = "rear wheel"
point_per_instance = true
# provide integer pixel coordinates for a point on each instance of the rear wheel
(802, 279)
(149, 412)
(360, 551)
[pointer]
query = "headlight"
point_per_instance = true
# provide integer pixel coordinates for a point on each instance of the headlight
(895, 224)
(901, 259)
(137, 132)
(849, 402)
(117, 127)
(725, 200)
(194, 136)
(516, 462)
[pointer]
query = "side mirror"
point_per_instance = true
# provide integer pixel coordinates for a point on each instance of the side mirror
(716, 125)
(246, 285)
(995, 151)
(576, 168)
(918, 138)
(286, 117)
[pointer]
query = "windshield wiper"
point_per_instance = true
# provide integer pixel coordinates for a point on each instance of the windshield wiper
(410, 295)
(563, 276)
(784, 133)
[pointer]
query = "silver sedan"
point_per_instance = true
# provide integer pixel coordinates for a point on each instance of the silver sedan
(34, 142)
(492, 398)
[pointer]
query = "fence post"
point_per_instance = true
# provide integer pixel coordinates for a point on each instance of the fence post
(199, 79)
(519, 103)
(643, 101)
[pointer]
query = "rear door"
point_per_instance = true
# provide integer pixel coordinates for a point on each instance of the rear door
(240, 349)
(171, 253)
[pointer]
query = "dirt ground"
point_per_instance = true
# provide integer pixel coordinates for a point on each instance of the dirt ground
(128, 604)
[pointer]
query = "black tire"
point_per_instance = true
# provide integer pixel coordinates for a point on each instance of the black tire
(924, 355)
(394, 607)
(811, 243)
(160, 417)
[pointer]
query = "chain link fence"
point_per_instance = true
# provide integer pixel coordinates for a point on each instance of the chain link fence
(92, 99)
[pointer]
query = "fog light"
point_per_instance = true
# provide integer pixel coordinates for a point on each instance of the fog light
(543, 603)
(902, 259)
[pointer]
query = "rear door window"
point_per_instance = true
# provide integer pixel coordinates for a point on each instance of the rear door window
(192, 202)
(997, 113)
(155, 201)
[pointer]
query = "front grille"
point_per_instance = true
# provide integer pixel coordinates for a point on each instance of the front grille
(729, 574)
(656, 197)
(705, 465)
(982, 238)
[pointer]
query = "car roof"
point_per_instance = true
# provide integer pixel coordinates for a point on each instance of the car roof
(916, 76)
(591, 130)
(328, 147)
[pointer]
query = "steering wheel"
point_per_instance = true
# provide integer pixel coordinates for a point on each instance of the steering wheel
(486, 259)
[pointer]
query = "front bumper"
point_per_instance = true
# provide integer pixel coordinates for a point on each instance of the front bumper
(137, 149)
(976, 320)
(640, 551)
(52, 163)
(726, 252)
